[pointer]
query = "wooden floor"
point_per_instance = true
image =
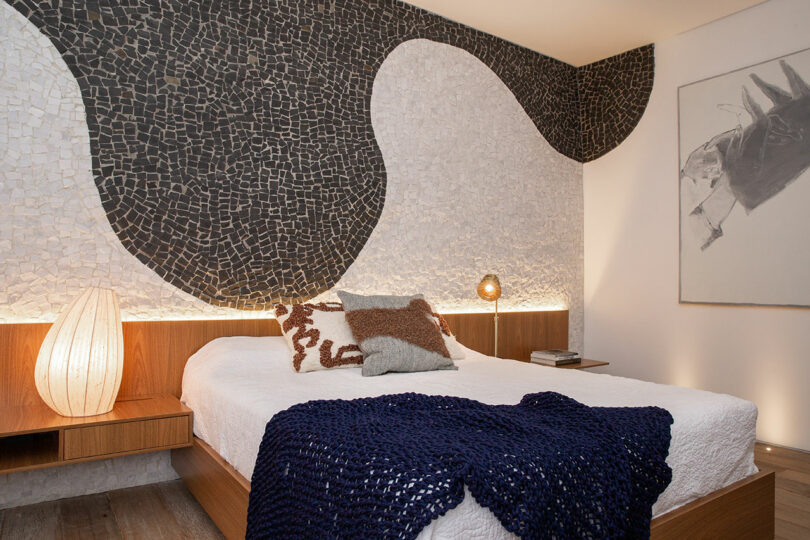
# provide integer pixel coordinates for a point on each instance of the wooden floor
(152, 512)
(792, 489)
(169, 511)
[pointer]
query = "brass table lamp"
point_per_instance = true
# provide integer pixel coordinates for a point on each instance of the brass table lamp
(490, 289)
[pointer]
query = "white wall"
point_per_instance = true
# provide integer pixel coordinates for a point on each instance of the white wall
(632, 315)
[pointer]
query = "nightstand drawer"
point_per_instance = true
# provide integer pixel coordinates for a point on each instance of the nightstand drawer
(123, 437)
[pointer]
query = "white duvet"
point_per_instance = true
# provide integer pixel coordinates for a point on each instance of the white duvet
(235, 385)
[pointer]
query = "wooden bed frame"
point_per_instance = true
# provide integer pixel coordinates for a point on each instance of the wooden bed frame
(743, 510)
(155, 354)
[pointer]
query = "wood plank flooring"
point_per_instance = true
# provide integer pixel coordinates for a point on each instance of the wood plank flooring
(792, 489)
(168, 510)
(155, 511)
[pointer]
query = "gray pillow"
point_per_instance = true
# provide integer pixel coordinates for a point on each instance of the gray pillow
(395, 333)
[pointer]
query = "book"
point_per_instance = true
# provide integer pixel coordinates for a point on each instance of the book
(554, 354)
(558, 362)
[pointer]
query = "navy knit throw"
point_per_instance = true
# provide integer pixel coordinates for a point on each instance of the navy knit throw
(386, 467)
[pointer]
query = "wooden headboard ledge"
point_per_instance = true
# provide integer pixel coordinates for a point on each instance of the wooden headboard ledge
(155, 352)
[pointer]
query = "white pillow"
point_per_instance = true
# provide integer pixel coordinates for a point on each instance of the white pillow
(453, 346)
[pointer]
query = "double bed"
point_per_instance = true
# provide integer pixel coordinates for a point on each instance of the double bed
(235, 385)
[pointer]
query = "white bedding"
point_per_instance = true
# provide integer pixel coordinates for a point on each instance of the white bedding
(235, 385)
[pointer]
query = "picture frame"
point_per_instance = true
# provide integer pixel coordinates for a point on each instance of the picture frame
(744, 185)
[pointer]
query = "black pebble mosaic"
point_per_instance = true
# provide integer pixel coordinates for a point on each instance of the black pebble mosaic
(232, 142)
(613, 94)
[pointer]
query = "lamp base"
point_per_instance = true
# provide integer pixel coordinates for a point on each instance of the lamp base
(496, 328)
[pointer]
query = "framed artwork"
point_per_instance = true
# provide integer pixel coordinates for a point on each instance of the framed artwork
(744, 145)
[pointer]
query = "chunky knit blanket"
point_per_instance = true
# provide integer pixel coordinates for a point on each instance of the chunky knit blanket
(386, 467)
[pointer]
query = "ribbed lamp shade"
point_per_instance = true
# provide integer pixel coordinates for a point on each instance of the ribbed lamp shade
(79, 367)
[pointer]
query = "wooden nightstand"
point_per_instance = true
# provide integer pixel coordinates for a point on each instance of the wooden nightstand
(582, 364)
(33, 437)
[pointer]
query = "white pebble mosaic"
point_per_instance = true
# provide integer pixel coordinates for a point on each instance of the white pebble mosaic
(473, 189)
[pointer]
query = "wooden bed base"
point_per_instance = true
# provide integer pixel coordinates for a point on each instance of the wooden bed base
(743, 510)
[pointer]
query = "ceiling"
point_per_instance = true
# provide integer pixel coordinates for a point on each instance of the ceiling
(582, 31)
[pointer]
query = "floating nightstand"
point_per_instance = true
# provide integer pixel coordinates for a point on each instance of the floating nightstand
(583, 364)
(34, 437)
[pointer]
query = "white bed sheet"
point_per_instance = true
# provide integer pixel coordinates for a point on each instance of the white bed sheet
(235, 385)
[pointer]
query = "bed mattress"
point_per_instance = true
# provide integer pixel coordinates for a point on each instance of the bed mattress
(235, 385)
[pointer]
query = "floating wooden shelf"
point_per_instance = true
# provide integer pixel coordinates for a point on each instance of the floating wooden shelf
(34, 436)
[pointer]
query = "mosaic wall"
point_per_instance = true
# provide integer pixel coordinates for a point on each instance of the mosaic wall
(449, 129)
(232, 145)
(613, 94)
(55, 238)
(457, 206)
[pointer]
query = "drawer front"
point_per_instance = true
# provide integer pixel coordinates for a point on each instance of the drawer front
(97, 441)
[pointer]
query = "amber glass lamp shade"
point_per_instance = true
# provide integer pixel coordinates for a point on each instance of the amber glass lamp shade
(489, 288)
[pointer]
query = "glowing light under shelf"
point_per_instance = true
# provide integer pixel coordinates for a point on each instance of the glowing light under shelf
(251, 315)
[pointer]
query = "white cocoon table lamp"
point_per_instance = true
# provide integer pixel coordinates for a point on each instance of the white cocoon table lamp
(79, 367)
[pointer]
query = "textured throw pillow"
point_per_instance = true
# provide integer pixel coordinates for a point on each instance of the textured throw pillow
(318, 336)
(450, 341)
(395, 333)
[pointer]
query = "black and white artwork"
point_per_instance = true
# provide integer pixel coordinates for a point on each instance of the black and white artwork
(745, 185)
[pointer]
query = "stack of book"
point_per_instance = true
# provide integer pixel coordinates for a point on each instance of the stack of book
(555, 357)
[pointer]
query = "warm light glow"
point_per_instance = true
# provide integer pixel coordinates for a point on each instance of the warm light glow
(252, 315)
(778, 417)
(267, 315)
(684, 369)
(456, 310)
(489, 288)
(768, 448)
(231, 315)
(79, 367)
(521, 309)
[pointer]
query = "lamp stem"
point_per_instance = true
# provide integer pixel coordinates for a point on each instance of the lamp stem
(496, 328)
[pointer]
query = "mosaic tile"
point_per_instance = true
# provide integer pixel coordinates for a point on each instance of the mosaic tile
(84, 250)
(613, 94)
(55, 238)
(232, 144)
(456, 205)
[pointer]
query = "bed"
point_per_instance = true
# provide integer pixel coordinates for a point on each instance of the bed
(235, 385)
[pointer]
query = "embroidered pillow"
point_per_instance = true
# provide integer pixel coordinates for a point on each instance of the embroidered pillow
(395, 333)
(318, 336)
